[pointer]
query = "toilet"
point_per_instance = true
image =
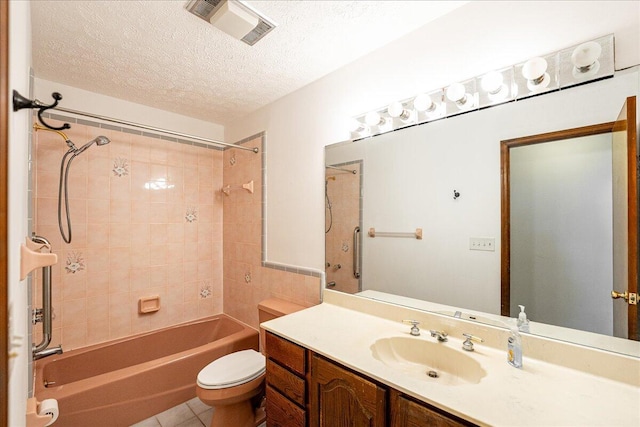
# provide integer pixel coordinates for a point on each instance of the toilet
(234, 384)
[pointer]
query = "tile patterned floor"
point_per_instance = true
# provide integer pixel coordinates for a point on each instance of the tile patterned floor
(192, 413)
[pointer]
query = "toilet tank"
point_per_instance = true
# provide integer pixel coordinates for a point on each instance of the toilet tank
(273, 308)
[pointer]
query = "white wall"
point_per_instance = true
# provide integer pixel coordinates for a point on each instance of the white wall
(107, 106)
(20, 63)
(474, 39)
(409, 177)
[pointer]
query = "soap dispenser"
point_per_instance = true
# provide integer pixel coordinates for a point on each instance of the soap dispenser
(514, 348)
(523, 322)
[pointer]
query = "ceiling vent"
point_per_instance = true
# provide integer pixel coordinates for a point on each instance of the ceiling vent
(234, 17)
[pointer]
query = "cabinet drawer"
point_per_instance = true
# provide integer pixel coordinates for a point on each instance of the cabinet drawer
(406, 412)
(286, 382)
(281, 412)
(286, 353)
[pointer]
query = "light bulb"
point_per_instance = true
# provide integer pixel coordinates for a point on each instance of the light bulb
(423, 102)
(457, 93)
(492, 82)
(397, 110)
(586, 55)
(585, 60)
(534, 70)
(373, 119)
(356, 125)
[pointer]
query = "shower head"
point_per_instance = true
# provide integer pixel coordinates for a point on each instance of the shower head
(99, 140)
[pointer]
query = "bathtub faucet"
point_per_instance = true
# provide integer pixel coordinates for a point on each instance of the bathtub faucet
(47, 352)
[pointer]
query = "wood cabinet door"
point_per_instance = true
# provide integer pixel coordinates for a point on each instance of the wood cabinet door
(409, 413)
(340, 398)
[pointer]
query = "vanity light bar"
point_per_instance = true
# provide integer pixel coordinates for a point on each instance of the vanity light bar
(572, 66)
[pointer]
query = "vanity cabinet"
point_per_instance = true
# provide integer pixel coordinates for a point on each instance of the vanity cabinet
(337, 395)
(286, 383)
(305, 389)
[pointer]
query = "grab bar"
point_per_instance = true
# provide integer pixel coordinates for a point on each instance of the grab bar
(356, 252)
(44, 314)
(414, 235)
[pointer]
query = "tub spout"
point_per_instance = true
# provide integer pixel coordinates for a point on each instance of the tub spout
(47, 352)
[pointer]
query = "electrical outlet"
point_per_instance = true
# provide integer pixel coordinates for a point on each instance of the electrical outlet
(482, 244)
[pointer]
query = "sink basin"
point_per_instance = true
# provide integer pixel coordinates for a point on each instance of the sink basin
(428, 360)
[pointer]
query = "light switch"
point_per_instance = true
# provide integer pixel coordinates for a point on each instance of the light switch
(482, 244)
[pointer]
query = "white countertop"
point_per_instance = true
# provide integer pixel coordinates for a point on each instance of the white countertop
(540, 394)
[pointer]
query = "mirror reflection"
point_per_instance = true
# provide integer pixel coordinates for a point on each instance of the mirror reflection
(569, 218)
(444, 178)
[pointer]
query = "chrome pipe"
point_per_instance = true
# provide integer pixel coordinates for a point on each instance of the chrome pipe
(44, 314)
(155, 129)
(48, 352)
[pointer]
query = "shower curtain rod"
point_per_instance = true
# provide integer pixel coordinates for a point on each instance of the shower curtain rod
(155, 129)
(353, 171)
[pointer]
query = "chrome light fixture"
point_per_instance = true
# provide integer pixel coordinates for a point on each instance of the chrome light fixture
(583, 63)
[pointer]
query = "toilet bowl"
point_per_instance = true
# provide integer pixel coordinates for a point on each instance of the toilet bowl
(234, 384)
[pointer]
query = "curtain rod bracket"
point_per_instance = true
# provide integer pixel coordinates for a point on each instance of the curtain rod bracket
(20, 102)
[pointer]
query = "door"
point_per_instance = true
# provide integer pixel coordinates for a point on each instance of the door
(340, 398)
(625, 222)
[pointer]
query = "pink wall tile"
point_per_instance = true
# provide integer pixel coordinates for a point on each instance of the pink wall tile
(133, 240)
(246, 282)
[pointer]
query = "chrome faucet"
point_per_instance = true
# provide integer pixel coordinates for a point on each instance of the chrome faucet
(440, 335)
(468, 343)
(415, 331)
(48, 352)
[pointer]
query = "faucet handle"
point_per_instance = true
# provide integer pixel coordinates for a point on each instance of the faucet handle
(468, 344)
(415, 331)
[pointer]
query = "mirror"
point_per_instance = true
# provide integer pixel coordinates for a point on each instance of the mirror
(443, 177)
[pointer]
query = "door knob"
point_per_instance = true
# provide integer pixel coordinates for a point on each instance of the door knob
(631, 298)
(616, 295)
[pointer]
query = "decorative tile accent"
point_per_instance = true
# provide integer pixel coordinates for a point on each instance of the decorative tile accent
(232, 160)
(75, 262)
(247, 277)
(192, 214)
(345, 247)
(120, 167)
(205, 290)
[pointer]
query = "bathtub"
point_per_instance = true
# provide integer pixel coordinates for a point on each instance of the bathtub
(121, 382)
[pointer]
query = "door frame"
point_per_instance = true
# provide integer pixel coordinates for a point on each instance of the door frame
(632, 232)
(4, 154)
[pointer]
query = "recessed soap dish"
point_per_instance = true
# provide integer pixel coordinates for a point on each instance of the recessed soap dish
(149, 304)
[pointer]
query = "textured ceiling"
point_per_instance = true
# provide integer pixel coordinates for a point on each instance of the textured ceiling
(156, 53)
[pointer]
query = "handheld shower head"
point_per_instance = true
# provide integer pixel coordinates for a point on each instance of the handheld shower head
(99, 140)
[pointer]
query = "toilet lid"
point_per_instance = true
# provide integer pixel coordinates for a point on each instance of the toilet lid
(233, 369)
